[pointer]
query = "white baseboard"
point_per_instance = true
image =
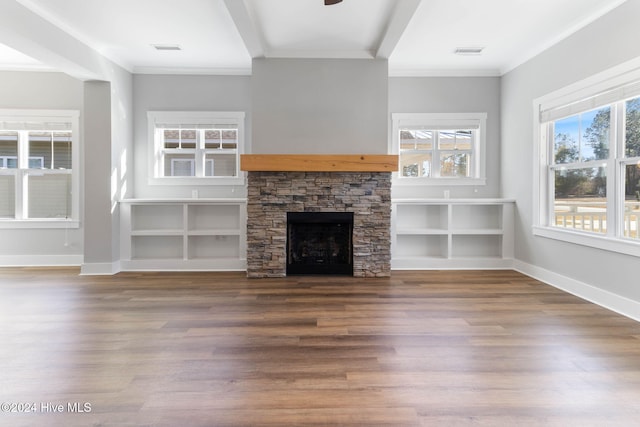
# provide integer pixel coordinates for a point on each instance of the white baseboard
(231, 264)
(41, 260)
(100, 268)
(427, 263)
(622, 305)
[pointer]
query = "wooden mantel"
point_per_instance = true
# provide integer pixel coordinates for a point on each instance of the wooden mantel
(319, 162)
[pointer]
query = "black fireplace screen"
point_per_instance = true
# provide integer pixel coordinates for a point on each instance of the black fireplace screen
(320, 243)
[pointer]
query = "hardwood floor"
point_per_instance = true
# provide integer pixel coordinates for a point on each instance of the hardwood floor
(464, 348)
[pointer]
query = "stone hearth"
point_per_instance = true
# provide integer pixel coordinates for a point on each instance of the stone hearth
(272, 194)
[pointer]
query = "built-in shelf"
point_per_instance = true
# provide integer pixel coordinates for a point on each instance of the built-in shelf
(210, 234)
(183, 234)
(452, 233)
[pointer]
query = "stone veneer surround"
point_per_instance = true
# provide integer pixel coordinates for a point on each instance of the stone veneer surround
(272, 194)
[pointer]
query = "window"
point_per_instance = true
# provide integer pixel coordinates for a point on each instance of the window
(578, 170)
(439, 148)
(196, 147)
(588, 157)
(38, 180)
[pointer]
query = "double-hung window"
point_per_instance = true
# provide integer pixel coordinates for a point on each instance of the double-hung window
(196, 147)
(439, 148)
(38, 167)
(588, 164)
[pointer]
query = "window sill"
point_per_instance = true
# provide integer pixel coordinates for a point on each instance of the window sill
(38, 223)
(627, 247)
(445, 182)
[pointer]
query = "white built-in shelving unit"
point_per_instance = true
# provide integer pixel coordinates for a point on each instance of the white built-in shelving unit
(210, 234)
(452, 233)
(183, 234)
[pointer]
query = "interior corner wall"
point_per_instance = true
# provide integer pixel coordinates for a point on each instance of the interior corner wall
(97, 136)
(121, 173)
(452, 95)
(184, 93)
(320, 106)
(607, 42)
(48, 91)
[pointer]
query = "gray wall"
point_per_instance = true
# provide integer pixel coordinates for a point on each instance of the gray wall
(107, 121)
(320, 106)
(185, 93)
(452, 95)
(40, 90)
(605, 43)
(97, 182)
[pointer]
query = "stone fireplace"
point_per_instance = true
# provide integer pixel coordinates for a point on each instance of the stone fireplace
(281, 184)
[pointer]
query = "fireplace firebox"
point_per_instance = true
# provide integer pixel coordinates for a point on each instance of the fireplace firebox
(319, 243)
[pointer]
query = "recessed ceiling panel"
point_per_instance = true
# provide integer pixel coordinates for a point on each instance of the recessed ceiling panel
(308, 28)
(509, 31)
(125, 30)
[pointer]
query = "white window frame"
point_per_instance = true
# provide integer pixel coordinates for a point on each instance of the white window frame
(443, 121)
(43, 119)
(611, 87)
(156, 175)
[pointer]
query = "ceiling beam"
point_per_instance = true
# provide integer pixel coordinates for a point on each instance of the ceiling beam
(29, 33)
(402, 14)
(246, 27)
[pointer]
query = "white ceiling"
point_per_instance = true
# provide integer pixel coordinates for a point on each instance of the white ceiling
(308, 28)
(221, 36)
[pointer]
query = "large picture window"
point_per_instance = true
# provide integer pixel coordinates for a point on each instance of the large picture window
(191, 147)
(38, 154)
(588, 156)
(439, 148)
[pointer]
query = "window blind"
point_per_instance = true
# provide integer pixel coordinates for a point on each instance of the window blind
(452, 126)
(610, 96)
(35, 126)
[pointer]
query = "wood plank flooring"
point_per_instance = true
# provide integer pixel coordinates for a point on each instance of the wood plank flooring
(434, 348)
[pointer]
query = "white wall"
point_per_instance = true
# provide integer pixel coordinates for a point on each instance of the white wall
(320, 106)
(121, 167)
(605, 43)
(452, 95)
(185, 93)
(40, 90)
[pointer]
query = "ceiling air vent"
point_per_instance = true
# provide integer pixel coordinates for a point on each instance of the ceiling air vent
(469, 50)
(167, 46)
